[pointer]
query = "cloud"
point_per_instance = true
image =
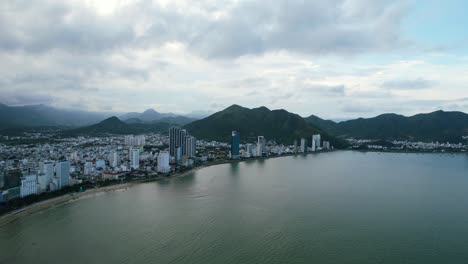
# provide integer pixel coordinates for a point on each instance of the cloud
(409, 84)
(214, 30)
(325, 90)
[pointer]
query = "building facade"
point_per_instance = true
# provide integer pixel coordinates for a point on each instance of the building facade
(235, 145)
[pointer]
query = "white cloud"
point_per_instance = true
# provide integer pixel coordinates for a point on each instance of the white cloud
(310, 57)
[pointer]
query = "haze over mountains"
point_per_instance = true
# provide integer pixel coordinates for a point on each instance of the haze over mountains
(280, 125)
(46, 116)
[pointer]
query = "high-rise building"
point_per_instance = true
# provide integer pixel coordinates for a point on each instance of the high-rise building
(62, 171)
(261, 146)
(189, 146)
(303, 145)
(48, 170)
(163, 162)
(114, 159)
(131, 140)
(235, 142)
(179, 138)
(295, 146)
(135, 159)
(42, 183)
(249, 148)
(28, 185)
(317, 140)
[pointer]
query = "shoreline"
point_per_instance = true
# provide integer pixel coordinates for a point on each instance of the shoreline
(71, 197)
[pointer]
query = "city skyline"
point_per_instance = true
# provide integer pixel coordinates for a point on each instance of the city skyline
(335, 59)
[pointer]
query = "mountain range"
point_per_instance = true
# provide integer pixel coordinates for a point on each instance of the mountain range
(279, 125)
(14, 117)
(436, 126)
(114, 125)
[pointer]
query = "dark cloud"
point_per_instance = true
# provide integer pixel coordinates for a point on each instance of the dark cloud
(419, 83)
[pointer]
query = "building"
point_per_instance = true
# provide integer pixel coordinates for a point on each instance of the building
(261, 146)
(114, 159)
(176, 140)
(62, 171)
(316, 140)
(131, 140)
(190, 146)
(48, 170)
(135, 159)
(28, 185)
(235, 144)
(163, 162)
(249, 149)
(326, 145)
(12, 179)
(42, 183)
(303, 145)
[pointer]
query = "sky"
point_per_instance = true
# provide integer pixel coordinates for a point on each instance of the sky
(336, 59)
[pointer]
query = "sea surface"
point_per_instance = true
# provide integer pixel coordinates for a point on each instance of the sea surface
(338, 207)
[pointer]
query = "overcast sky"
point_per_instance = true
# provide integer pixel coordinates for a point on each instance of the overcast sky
(331, 58)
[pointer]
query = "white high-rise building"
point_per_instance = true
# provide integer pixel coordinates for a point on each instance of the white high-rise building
(42, 182)
(163, 162)
(249, 149)
(48, 170)
(135, 159)
(28, 185)
(189, 147)
(303, 145)
(62, 171)
(261, 146)
(115, 159)
(131, 140)
(317, 140)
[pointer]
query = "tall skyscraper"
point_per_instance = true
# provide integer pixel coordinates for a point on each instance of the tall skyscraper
(179, 138)
(261, 146)
(163, 162)
(235, 142)
(189, 146)
(303, 145)
(114, 159)
(317, 140)
(62, 171)
(48, 168)
(135, 159)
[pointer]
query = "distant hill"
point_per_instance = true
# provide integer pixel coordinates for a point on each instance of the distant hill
(176, 120)
(152, 115)
(436, 126)
(42, 116)
(279, 125)
(113, 125)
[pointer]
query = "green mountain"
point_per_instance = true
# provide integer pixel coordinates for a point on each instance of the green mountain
(279, 125)
(436, 126)
(113, 125)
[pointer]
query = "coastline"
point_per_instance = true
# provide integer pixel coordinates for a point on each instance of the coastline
(71, 197)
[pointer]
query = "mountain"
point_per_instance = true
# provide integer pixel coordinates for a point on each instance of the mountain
(41, 116)
(279, 125)
(149, 115)
(436, 126)
(114, 125)
(176, 120)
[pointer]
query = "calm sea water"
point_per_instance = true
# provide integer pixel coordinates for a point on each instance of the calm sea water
(341, 207)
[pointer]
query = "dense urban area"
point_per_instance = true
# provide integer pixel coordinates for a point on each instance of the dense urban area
(38, 166)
